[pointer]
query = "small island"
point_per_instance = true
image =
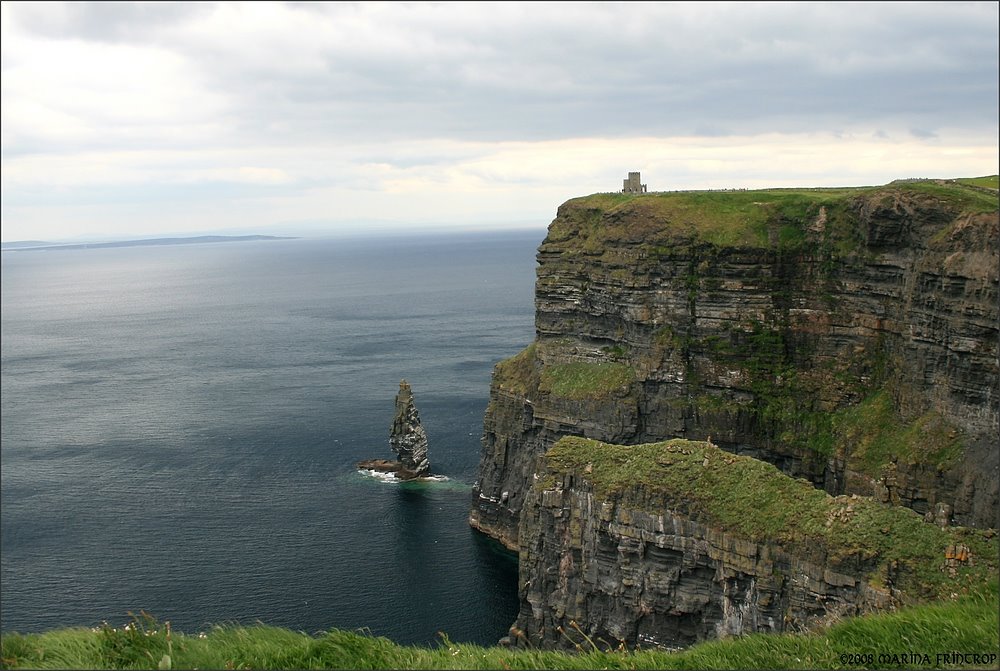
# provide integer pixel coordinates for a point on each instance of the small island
(407, 439)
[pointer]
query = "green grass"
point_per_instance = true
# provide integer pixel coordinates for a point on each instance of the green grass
(987, 182)
(782, 219)
(584, 380)
(966, 624)
(752, 499)
(951, 194)
(724, 218)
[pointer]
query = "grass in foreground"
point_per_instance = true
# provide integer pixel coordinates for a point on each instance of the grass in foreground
(965, 625)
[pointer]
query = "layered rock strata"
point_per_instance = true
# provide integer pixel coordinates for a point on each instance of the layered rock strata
(849, 337)
(673, 543)
(407, 439)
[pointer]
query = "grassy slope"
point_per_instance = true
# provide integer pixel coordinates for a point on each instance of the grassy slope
(987, 182)
(966, 624)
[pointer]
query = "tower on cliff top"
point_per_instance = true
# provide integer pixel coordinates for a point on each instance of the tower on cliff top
(633, 185)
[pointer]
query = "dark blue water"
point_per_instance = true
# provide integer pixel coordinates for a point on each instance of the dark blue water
(180, 427)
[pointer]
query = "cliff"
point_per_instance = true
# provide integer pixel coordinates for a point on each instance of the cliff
(673, 543)
(847, 336)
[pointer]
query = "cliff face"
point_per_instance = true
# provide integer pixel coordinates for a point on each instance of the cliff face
(673, 543)
(849, 337)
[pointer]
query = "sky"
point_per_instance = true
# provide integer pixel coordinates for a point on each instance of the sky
(128, 120)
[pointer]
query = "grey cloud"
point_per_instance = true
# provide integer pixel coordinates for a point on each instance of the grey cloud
(531, 71)
(923, 134)
(545, 79)
(212, 99)
(105, 21)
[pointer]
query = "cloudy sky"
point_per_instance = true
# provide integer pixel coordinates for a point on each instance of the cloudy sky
(129, 120)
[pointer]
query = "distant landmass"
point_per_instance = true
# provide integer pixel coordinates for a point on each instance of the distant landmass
(24, 243)
(35, 245)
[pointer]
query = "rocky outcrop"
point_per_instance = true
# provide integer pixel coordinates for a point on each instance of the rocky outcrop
(848, 337)
(407, 439)
(674, 543)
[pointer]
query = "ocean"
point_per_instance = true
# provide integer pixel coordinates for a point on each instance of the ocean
(180, 426)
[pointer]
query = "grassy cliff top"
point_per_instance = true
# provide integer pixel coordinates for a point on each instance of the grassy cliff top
(753, 499)
(763, 218)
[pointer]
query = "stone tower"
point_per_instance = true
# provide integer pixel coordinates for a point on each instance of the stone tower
(633, 184)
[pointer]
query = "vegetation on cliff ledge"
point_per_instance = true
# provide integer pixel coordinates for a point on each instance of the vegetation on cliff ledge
(524, 374)
(753, 499)
(518, 374)
(581, 380)
(967, 624)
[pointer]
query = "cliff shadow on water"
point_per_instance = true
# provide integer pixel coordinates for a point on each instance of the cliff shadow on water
(848, 337)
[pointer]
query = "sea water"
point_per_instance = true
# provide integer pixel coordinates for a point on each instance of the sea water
(180, 427)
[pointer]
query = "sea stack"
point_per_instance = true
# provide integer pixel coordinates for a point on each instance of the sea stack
(406, 438)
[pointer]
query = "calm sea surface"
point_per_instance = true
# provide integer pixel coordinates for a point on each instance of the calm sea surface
(180, 426)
